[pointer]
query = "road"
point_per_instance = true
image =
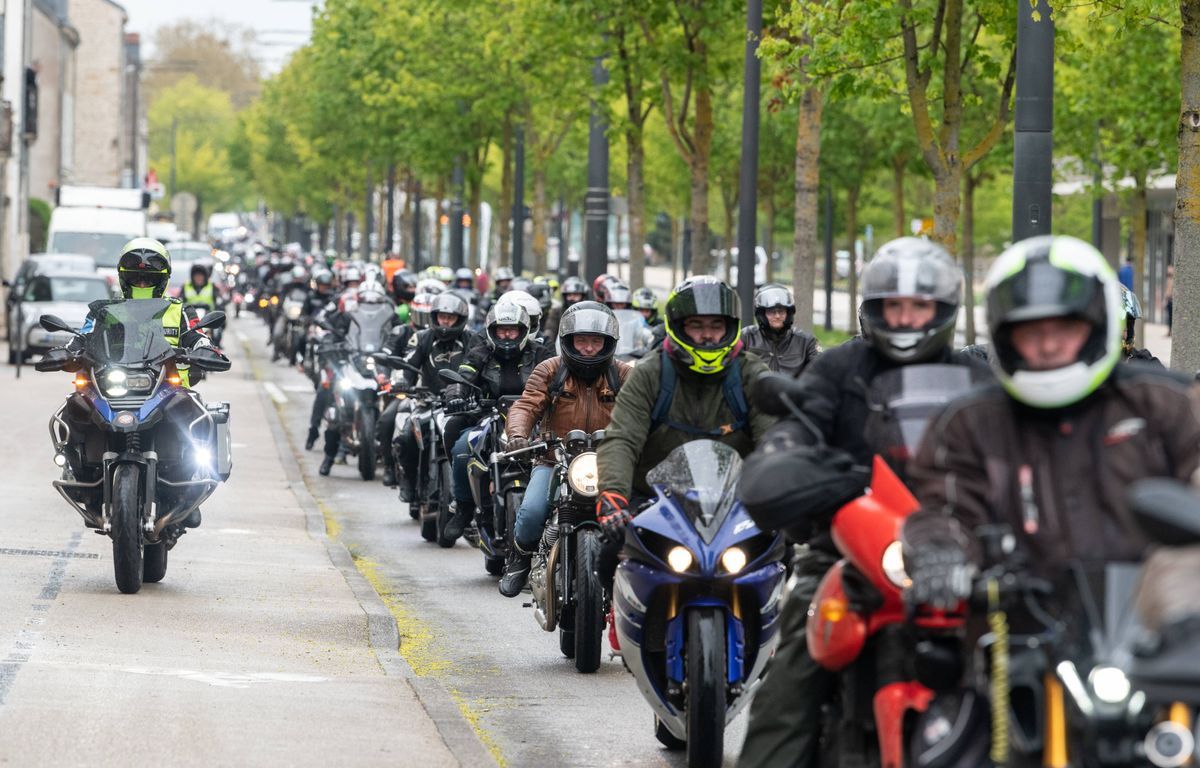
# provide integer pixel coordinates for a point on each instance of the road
(273, 639)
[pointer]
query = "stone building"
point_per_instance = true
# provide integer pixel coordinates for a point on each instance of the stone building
(101, 101)
(52, 152)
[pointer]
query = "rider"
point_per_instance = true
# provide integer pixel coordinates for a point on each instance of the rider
(1133, 312)
(911, 294)
(499, 365)
(695, 388)
(404, 290)
(439, 347)
(1050, 451)
(576, 390)
(774, 336)
(531, 305)
(549, 318)
(501, 282)
(464, 278)
(143, 272)
(645, 301)
(574, 291)
(199, 291)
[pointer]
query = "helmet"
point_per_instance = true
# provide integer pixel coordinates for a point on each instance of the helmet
(509, 313)
(372, 272)
(502, 274)
(322, 278)
(618, 293)
(449, 303)
(646, 298)
(520, 284)
(464, 273)
(143, 269)
(199, 269)
(372, 292)
(1133, 312)
(549, 280)
(589, 317)
(430, 285)
(404, 286)
(351, 274)
(771, 296)
(703, 295)
(531, 305)
(909, 267)
(601, 286)
(299, 274)
(572, 286)
(419, 310)
(541, 292)
(1054, 276)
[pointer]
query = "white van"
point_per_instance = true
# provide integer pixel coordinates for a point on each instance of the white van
(97, 221)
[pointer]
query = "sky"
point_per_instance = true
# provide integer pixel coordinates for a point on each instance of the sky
(276, 21)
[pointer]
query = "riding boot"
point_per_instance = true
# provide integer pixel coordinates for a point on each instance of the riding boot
(516, 572)
(389, 475)
(311, 440)
(464, 512)
(326, 465)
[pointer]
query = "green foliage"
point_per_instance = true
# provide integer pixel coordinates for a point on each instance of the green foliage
(39, 223)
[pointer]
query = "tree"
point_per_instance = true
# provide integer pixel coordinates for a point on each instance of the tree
(218, 54)
(1185, 345)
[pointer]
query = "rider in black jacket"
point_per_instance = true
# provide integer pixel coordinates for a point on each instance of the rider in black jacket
(774, 337)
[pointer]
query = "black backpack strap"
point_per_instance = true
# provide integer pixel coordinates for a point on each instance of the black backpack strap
(666, 393)
(614, 379)
(731, 390)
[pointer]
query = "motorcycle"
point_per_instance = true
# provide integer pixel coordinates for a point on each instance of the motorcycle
(563, 580)
(139, 452)
(426, 422)
(355, 369)
(696, 599)
(290, 327)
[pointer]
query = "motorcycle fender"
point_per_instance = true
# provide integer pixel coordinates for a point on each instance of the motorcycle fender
(892, 703)
(836, 633)
(149, 465)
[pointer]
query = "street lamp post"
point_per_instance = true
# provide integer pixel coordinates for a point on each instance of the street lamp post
(595, 206)
(1033, 121)
(517, 261)
(748, 183)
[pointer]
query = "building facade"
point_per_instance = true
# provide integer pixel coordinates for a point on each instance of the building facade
(52, 60)
(101, 102)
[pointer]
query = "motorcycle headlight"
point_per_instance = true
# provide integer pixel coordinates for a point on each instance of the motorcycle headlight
(583, 475)
(680, 559)
(892, 564)
(114, 383)
(733, 559)
(1109, 684)
(293, 312)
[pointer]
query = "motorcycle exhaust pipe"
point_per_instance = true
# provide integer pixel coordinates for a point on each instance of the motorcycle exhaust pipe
(1169, 745)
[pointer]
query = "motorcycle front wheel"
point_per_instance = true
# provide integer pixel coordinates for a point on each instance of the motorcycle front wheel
(127, 528)
(366, 441)
(706, 690)
(589, 601)
(445, 480)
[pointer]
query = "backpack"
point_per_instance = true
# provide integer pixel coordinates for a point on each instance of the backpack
(731, 389)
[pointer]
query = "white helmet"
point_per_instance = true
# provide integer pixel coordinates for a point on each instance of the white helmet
(531, 305)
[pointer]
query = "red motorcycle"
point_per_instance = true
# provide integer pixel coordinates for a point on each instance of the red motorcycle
(858, 624)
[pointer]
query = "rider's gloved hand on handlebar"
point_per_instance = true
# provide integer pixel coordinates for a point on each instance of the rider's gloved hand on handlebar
(612, 512)
(456, 405)
(941, 577)
(517, 443)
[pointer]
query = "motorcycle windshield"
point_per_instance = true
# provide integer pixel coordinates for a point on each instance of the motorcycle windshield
(635, 336)
(904, 401)
(701, 476)
(368, 322)
(129, 333)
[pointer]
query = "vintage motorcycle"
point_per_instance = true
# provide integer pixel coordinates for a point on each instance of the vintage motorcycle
(139, 451)
(696, 599)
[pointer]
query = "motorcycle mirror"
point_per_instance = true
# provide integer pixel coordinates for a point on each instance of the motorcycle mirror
(54, 360)
(1166, 510)
(214, 364)
(215, 319)
(446, 374)
(394, 361)
(55, 323)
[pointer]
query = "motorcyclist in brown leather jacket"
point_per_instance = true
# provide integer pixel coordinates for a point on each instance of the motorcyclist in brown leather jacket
(576, 390)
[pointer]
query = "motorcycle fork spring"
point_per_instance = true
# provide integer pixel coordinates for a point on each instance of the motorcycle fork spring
(549, 537)
(133, 442)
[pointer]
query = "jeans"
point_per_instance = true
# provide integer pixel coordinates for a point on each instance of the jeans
(461, 454)
(535, 508)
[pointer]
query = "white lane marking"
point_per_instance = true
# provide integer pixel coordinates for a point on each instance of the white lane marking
(297, 388)
(236, 531)
(242, 337)
(228, 679)
(275, 392)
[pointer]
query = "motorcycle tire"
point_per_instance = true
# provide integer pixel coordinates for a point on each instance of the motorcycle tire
(666, 738)
(443, 505)
(566, 642)
(366, 442)
(705, 696)
(154, 562)
(589, 601)
(127, 528)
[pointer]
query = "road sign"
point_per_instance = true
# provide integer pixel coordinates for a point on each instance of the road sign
(183, 205)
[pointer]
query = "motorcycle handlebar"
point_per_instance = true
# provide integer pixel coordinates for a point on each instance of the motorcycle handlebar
(539, 446)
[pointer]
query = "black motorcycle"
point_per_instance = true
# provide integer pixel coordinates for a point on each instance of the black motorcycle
(139, 451)
(563, 579)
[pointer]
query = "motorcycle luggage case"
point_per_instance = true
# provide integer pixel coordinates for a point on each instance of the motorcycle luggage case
(223, 450)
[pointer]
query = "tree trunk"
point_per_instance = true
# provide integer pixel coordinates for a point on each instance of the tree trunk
(1137, 229)
(968, 253)
(947, 199)
(702, 137)
(477, 220)
(506, 196)
(406, 213)
(899, 225)
(852, 236)
(439, 194)
(541, 213)
(635, 194)
(769, 234)
(1185, 333)
(806, 248)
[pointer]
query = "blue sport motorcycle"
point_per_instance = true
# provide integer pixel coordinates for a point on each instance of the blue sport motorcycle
(697, 598)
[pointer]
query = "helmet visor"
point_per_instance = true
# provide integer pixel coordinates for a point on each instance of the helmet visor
(592, 320)
(912, 275)
(705, 299)
(776, 296)
(1044, 290)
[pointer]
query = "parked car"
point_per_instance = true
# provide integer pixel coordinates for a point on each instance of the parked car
(760, 265)
(39, 263)
(65, 294)
(192, 251)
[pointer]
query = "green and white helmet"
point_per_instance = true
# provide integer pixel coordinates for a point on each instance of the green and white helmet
(1054, 276)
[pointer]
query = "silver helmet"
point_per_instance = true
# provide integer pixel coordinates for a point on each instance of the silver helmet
(595, 319)
(910, 268)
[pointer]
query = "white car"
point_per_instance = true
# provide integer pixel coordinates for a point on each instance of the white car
(65, 294)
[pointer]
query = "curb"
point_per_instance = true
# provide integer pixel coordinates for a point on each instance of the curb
(382, 633)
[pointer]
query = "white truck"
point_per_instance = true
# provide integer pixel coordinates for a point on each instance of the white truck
(97, 221)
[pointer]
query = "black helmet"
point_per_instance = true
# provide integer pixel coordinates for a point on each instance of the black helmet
(144, 269)
(593, 318)
(508, 313)
(418, 310)
(771, 296)
(404, 286)
(448, 303)
(574, 286)
(910, 267)
(199, 269)
(696, 296)
(322, 279)
(645, 298)
(541, 292)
